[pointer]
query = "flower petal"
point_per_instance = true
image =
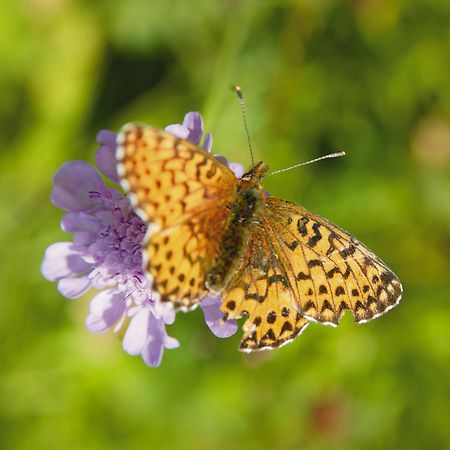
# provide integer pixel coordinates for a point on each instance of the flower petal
(105, 156)
(178, 130)
(192, 129)
(170, 342)
(74, 287)
(153, 350)
(237, 169)
(194, 123)
(136, 335)
(105, 310)
(207, 142)
(83, 238)
(164, 311)
(79, 222)
(158, 340)
(63, 260)
(73, 183)
(214, 318)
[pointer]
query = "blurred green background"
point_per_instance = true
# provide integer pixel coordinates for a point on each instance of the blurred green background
(371, 77)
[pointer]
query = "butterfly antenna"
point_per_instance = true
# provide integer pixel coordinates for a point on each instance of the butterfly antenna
(244, 117)
(331, 155)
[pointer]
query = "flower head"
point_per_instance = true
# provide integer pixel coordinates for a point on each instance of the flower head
(106, 255)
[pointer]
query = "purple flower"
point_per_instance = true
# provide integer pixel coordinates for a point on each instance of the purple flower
(106, 255)
(214, 318)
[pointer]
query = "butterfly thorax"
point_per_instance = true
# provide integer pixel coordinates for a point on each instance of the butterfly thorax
(245, 211)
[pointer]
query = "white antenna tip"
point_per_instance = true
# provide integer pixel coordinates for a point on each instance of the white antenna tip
(238, 91)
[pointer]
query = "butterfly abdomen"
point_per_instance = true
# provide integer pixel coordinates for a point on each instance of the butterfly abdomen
(244, 212)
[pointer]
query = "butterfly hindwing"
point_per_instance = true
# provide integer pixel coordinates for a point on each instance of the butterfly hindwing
(259, 292)
(180, 257)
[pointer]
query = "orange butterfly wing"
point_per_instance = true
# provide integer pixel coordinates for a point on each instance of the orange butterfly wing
(301, 267)
(182, 191)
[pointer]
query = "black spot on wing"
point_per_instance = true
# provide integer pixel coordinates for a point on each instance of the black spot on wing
(301, 226)
(231, 305)
(287, 326)
(309, 305)
(292, 245)
(326, 305)
(332, 272)
(323, 289)
(271, 317)
(270, 335)
(314, 263)
(255, 296)
(347, 251)
(339, 291)
(303, 276)
(317, 235)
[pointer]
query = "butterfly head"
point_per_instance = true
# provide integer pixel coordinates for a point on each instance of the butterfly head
(257, 172)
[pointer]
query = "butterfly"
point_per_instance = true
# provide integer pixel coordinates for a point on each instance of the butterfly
(271, 261)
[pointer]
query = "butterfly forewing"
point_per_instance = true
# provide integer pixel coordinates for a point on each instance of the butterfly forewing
(181, 190)
(168, 178)
(329, 270)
